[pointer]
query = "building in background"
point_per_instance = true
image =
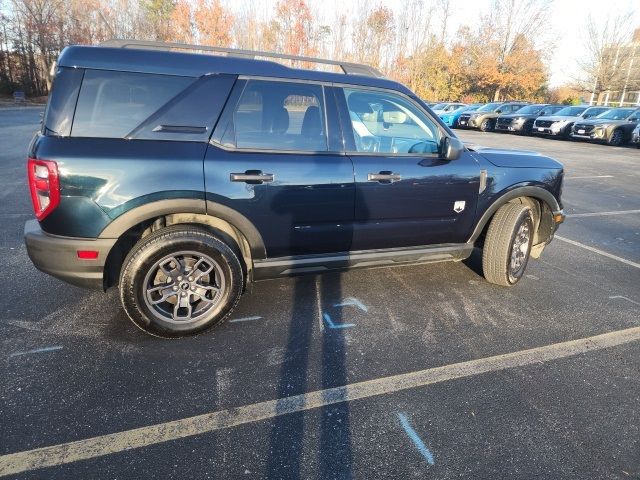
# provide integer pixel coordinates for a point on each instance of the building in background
(625, 82)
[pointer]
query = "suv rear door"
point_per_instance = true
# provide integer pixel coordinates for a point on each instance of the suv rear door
(406, 194)
(276, 157)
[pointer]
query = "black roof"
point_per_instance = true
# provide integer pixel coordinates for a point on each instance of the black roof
(196, 65)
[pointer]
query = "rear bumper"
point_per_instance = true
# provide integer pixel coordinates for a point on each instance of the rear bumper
(58, 256)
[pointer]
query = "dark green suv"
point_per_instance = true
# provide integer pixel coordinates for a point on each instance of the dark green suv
(183, 177)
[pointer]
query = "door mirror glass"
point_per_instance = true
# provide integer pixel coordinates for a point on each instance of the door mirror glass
(452, 148)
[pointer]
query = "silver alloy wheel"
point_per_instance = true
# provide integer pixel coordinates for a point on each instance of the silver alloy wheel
(183, 286)
(519, 250)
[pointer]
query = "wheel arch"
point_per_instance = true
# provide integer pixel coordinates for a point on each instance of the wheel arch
(230, 225)
(541, 201)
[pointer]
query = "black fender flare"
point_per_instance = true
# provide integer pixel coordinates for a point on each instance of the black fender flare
(159, 208)
(526, 191)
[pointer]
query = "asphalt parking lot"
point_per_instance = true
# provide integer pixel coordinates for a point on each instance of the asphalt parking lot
(411, 372)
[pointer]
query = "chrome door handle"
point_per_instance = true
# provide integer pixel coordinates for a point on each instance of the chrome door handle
(384, 177)
(252, 176)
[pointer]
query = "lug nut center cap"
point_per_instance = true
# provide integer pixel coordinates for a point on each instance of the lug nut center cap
(184, 286)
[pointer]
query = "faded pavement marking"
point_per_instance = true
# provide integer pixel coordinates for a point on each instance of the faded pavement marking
(415, 438)
(61, 454)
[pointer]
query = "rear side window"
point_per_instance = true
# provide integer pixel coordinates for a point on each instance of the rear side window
(62, 101)
(278, 116)
(112, 104)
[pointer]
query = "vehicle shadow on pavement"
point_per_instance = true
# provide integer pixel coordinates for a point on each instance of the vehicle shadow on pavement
(474, 262)
(288, 433)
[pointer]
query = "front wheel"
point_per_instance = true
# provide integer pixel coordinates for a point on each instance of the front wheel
(179, 281)
(486, 126)
(508, 244)
(617, 138)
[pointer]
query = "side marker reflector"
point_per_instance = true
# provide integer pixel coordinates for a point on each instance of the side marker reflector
(87, 254)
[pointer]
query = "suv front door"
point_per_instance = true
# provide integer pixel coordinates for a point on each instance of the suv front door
(406, 194)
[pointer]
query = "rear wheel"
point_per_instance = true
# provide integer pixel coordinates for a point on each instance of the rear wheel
(179, 281)
(617, 138)
(508, 244)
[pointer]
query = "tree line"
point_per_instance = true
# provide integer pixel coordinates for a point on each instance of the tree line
(496, 58)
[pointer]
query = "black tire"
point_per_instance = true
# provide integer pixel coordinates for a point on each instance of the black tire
(486, 126)
(527, 129)
(207, 297)
(617, 138)
(504, 240)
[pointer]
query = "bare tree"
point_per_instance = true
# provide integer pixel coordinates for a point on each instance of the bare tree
(606, 62)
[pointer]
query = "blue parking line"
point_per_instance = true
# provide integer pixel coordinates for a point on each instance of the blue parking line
(330, 323)
(417, 441)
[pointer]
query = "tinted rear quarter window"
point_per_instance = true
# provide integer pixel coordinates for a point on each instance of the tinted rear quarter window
(58, 116)
(112, 104)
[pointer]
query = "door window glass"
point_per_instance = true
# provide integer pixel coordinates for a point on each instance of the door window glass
(112, 104)
(278, 116)
(387, 123)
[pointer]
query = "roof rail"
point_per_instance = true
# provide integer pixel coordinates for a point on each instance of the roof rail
(347, 67)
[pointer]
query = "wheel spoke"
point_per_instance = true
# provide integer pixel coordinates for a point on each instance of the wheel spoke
(166, 292)
(183, 302)
(198, 273)
(202, 290)
(177, 266)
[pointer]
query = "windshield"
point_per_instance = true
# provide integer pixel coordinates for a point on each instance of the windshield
(530, 109)
(616, 114)
(489, 107)
(571, 111)
(438, 106)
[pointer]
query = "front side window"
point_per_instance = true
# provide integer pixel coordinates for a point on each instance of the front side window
(489, 107)
(571, 111)
(388, 123)
(112, 104)
(282, 116)
(529, 109)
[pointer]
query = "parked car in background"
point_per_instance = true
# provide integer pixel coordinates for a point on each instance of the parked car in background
(522, 120)
(560, 123)
(484, 119)
(451, 118)
(446, 107)
(635, 136)
(613, 126)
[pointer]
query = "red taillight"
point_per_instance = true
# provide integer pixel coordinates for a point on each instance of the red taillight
(44, 186)
(87, 254)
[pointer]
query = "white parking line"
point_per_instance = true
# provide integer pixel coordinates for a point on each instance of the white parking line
(602, 214)
(187, 427)
(588, 176)
(598, 251)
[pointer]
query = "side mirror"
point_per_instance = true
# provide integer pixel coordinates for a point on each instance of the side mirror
(498, 111)
(452, 148)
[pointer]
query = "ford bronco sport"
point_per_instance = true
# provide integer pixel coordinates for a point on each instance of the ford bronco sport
(183, 176)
